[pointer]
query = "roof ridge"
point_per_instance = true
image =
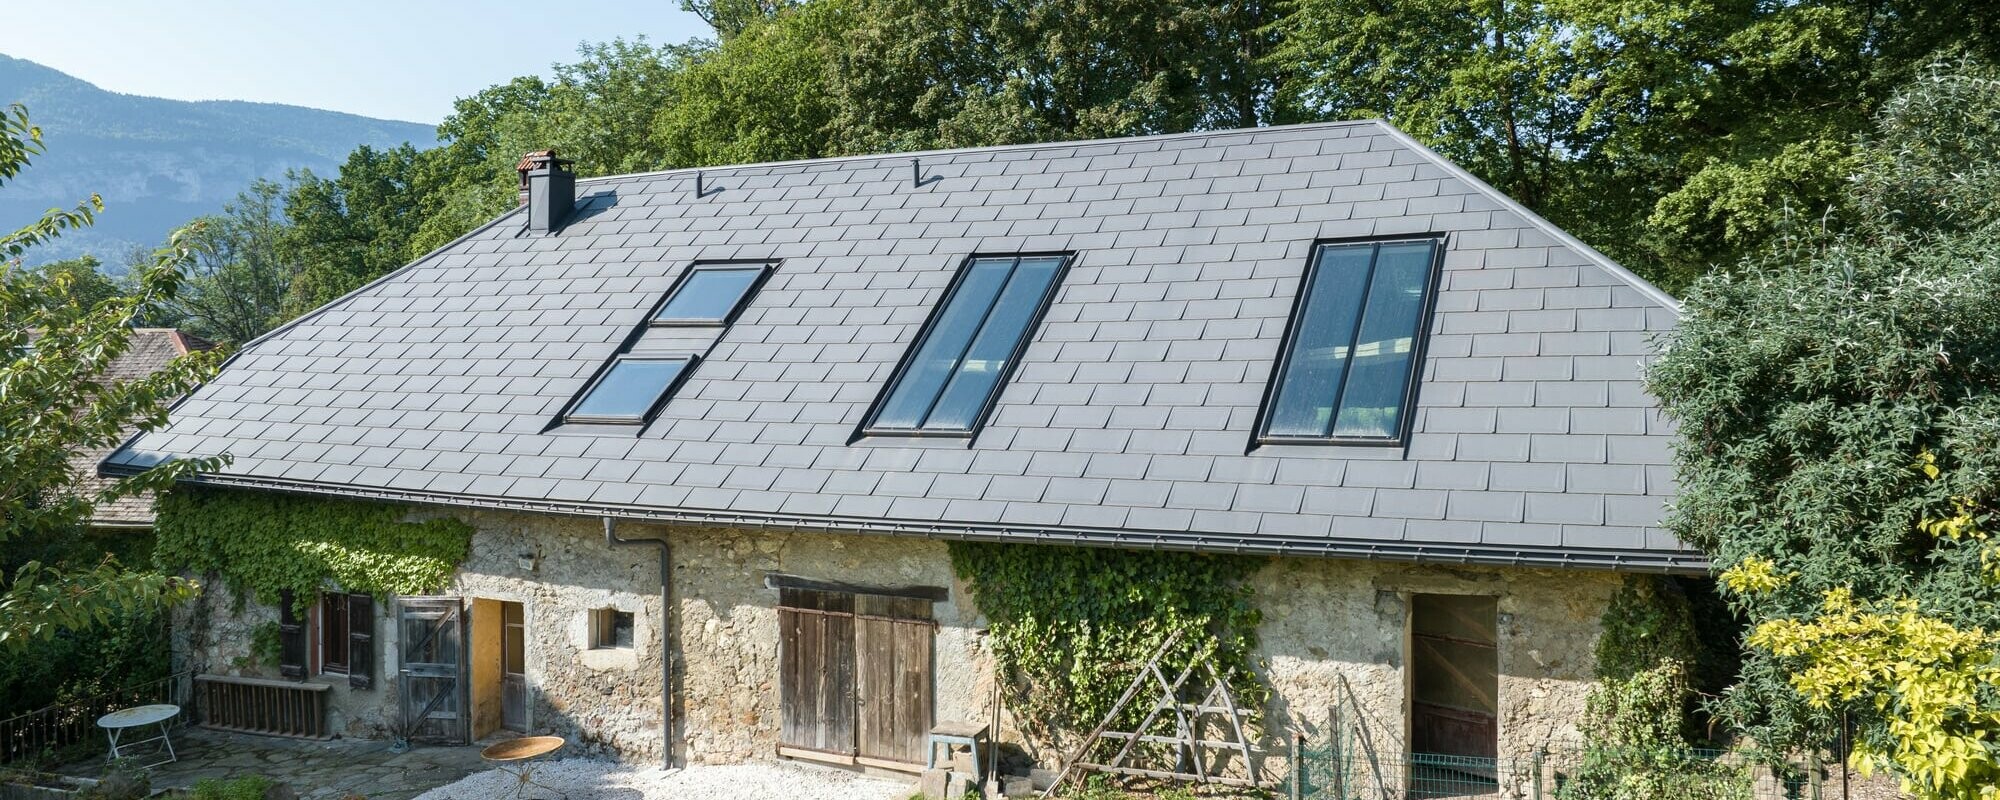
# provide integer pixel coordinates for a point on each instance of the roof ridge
(1001, 148)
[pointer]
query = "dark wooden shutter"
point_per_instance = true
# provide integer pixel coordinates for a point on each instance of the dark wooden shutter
(291, 637)
(360, 641)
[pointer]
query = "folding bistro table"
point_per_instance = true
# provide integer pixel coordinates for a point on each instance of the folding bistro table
(116, 723)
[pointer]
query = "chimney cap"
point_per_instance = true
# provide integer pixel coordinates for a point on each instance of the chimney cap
(540, 159)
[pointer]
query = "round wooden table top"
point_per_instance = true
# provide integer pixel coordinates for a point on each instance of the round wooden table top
(524, 747)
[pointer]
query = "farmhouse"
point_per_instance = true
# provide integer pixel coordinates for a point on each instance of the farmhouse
(800, 381)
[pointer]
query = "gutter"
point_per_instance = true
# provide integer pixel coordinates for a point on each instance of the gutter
(1677, 562)
(666, 638)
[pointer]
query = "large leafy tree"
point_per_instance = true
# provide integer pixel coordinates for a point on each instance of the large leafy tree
(1674, 136)
(1839, 405)
(54, 348)
(349, 229)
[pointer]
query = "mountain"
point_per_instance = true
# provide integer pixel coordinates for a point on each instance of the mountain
(159, 163)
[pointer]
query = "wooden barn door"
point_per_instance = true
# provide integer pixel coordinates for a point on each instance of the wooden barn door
(816, 666)
(855, 674)
(432, 665)
(892, 649)
(1455, 688)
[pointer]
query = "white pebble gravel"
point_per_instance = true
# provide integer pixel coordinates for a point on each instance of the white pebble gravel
(578, 779)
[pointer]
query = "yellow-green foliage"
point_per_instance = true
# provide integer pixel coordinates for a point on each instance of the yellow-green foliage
(1935, 686)
(268, 543)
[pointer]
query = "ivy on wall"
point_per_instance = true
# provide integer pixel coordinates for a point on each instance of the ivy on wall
(1070, 625)
(266, 543)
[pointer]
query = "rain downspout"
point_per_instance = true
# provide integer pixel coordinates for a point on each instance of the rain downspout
(666, 638)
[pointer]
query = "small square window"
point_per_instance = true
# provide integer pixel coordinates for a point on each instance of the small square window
(709, 295)
(610, 629)
(631, 390)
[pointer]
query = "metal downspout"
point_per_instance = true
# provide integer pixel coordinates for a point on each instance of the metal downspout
(666, 637)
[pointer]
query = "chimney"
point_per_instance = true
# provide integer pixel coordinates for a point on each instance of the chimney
(548, 189)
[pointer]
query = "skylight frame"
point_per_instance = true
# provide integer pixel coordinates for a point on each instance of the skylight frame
(763, 268)
(869, 426)
(1426, 313)
(569, 416)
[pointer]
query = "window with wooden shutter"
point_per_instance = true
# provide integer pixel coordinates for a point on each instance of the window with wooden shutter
(291, 638)
(333, 633)
(360, 641)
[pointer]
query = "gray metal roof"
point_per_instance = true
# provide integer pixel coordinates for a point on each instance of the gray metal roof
(1128, 421)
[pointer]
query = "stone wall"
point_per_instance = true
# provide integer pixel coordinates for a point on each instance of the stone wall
(1334, 635)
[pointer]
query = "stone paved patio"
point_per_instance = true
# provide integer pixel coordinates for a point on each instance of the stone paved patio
(329, 770)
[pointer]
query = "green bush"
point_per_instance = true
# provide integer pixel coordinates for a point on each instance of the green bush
(248, 787)
(1637, 750)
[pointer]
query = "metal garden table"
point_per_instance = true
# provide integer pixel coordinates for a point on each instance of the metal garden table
(116, 723)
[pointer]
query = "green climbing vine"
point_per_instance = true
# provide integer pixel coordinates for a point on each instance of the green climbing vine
(265, 543)
(1069, 626)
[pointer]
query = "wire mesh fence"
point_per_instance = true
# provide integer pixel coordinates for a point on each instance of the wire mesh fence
(1324, 773)
(1345, 764)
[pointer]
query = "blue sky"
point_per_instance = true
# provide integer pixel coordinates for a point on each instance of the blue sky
(400, 60)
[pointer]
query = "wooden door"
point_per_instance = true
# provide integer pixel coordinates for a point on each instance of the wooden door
(816, 670)
(513, 668)
(431, 664)
(892, 650)
(1455, 685)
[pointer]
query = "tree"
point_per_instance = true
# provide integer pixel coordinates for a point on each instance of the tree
(919, 74)
(1673, 136)
(239, 278)
(80, 280)
(53, 403)
(1839, 406)
(758, 96)
(350, 229)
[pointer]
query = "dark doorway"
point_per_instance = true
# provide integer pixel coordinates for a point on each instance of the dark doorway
(1454, 694)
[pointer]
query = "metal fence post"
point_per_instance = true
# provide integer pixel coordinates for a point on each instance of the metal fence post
(1541, 752)
(1298, 765)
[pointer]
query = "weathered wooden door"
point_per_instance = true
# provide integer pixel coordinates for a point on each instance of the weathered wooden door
(1455, 685)
(513, 668)
(892, 650)
(816, 664)
(431, 664)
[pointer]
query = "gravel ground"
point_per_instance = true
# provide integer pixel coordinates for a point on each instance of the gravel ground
(578, 779)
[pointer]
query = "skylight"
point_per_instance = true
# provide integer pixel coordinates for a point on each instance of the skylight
(630, 390)
(1348, 368)
(709, 295)
(955, 371)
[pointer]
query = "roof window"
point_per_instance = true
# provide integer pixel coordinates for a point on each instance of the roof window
(952, 376)
(710, 295)
(631, 389)
(1347, 372)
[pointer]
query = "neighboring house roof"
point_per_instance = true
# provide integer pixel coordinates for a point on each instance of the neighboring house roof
(1127, 422)
(150, 350)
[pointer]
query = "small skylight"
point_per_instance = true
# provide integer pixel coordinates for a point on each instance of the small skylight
(630, 390)
(709, 295)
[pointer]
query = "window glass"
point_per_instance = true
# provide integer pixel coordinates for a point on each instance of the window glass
(954, 375)
(1351, 357)
(611, 629)
(629, 389)
(709, 295)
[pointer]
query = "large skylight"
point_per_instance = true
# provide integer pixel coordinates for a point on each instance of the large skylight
(709, 295)
(630, 389)
(1349, 361)
(955, 370)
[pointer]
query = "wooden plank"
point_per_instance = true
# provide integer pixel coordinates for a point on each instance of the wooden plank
(1164, 775)
(815, 755)
(875, 679)
(914, 642)
(840, 703)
